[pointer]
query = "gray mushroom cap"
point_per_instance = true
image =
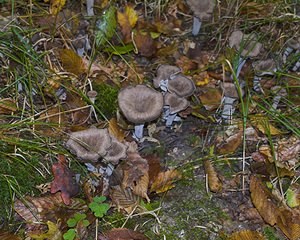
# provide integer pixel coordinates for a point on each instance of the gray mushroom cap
(294, 43)
(246, 44)
(175, 103)
(262, 66)
(181, 85)
(202, 9)
(140, 104)
(89, 144)
(116, 152)
(230, 90)
(165, 72)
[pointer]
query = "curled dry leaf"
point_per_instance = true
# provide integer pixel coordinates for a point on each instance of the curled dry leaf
(231, 143)
(246, 235)
(123, 234)
(273, 211)
(164, 181)
(141, 187)
(145, 44)
(123, 198)
(63, 180)
(72, 62)
(214, 183)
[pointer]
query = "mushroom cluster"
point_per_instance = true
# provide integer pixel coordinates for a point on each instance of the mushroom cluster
(202, 11)
(93, 144)
(140, 104)
(176, 88)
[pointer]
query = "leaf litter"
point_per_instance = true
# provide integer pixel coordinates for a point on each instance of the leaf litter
(249, 114)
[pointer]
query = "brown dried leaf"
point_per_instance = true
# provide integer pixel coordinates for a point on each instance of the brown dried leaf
(7, 106)
(8, 236)
(214, 183)
(145, 44)
(123, 198)
(231, 143)
(115, 130)
(246, 235)
(289, 223)
(210, 98)
(164, 181)
(72, 62)
(63, 180)
(154, 167)
(262, 123)
(124, 234)
(141, 187)
(127, 21)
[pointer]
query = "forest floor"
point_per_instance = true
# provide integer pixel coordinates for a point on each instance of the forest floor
(72, 162)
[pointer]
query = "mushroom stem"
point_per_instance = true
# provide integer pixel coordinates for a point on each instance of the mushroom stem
(281, 93)
(256, 84)
(228, 108)
(297, 64)
(90, 7)
(138, 131)
(164, 85)
(241, 63)
(286, 53)
(170, 119)
(196, 26)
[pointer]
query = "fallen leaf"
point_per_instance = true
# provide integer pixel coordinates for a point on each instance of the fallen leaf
(141, 187)
(210, 98)
(123, 234)
(56, 6)
(246, 235)
(154, 167)
(164, 181)
(52, 233)
(72, 62)
(7, 106)
(8, 236)
(231, 143)
(214, 182)
(262, 123)
(115, 130)
(144, 44)
(127, 21)
(123, 198)
(63, 180)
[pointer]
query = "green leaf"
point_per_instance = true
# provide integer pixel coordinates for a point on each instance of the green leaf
(79, 216)
(119, 50)
(99, 199)
(70, 234)
(72, 222)
(291, 198)
(106, 26)
(85, 222)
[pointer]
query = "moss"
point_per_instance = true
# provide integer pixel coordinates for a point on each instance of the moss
(270, 233)
(107, 99)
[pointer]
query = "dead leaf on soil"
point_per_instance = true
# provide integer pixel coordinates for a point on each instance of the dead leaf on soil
(63, 180)
(72, 62)
(273, 211)
(7, 106)
(263, 125)
(154, 167)
(127, 21)
(164, 181)
(246, 235)
(124, 199)
(52, 233)
(231, 143)
(214, 182)
(144, 43)
(210, 98)
(123, 234)
(141, 187)
(115, 130)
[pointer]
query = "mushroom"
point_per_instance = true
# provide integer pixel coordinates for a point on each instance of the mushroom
(90, 7)
(202, 11)
(173, 104)
(230, 96)
(181, 85)
(116, 152)
(164, 73)
(247, 46)
(140, 104)
(262, 68)
(89, 144)
(279, 93)
(293, 45)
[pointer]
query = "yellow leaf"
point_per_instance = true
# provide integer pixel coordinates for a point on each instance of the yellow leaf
(246, 235)
(164, 181)
(262, 124)
(53, 233)
(72, 62)
(127, 21)
(56, 6)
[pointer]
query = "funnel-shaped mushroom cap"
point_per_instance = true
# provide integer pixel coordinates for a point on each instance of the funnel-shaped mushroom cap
(182, 86)
(294, 43)
(202, 9)
(116, 152)
(89, 144)
(165, 72)
(267, 65)
(246, 44)
(230, 90)
(140, 104)
(175, 103)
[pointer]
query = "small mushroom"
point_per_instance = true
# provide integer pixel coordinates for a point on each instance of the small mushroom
(140, 104)
(174, 105)
(293, 45)
(89, 144)
(247, 46)
(116, 152)
(202, 11)
(262, 68)
(164, 73)
(279, 93)
(181, 85)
